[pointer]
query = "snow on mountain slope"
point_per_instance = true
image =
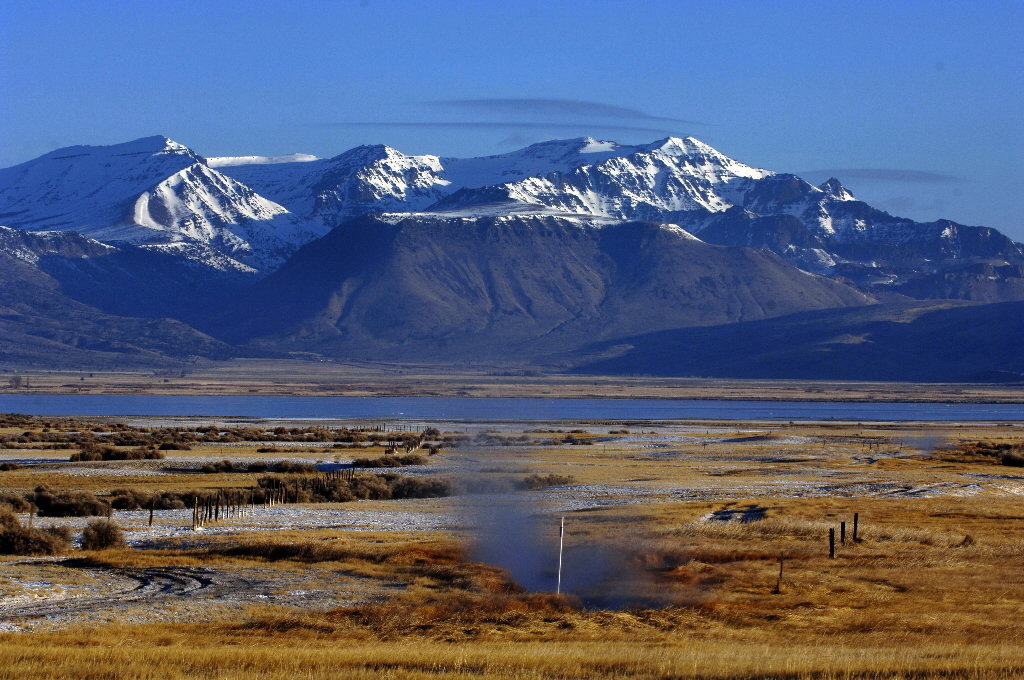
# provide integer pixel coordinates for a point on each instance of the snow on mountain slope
(379, 178)
(536, 160)
(570, 176)
(249, 213)
(639, 182)
(87, 187)
(149, 191)
(227, 161)
(362, 180)
(29, 246)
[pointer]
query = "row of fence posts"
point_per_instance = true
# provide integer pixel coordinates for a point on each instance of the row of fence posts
(225, 505)
(855, 538)
(234, 504)
(231, 504)
(842, 535)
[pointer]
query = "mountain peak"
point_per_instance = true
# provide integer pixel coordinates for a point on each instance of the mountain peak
(154, 145)
(364, 153)
(157, 143)
(369, 153)
(834, 188)
(561, 148)
(679, 146)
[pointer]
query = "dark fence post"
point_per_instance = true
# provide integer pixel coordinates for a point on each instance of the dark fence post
(778, 584)
(842, 533)
(856, 517)
(832, 543)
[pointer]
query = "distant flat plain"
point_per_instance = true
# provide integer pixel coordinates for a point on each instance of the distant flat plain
(315, 378)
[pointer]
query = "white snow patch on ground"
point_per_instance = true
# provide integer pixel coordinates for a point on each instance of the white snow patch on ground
(174, 524)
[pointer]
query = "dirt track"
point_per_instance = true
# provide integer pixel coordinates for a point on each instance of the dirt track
(129, 587)
(67, 591)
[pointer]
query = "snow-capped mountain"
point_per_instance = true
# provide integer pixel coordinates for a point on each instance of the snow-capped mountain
(249, 213)
(375, 253)
(605, 179)
(362, 180)
(581, 176)
(154, 192)
(822, 229)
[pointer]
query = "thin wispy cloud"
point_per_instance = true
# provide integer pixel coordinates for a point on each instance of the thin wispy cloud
(518, 139)
(901, 204)
(538, 106)
(506, 125)
(887, 175)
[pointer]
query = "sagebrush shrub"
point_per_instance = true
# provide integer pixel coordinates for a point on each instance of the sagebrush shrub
(16, 539)
(101, 534)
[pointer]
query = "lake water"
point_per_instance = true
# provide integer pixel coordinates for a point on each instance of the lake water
(442, 408)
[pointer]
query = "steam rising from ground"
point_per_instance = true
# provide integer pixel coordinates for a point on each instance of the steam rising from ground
(509, 532)
(518, 531)
(927, 443)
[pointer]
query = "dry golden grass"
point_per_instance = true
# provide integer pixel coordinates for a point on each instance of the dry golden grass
(913, 599)
(609, 646)
(908, 601)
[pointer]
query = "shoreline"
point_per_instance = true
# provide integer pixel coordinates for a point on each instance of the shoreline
(291, 378)
(924, 399)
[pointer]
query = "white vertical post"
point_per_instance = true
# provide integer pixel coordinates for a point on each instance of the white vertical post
(561, 544)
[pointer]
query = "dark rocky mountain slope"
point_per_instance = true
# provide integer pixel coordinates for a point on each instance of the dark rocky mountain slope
(427, 287)
(41, 326)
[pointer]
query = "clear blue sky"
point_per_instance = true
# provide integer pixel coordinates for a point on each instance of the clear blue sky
(918, 106)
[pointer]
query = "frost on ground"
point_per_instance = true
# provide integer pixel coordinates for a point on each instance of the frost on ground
(63, 591)
(177, 524)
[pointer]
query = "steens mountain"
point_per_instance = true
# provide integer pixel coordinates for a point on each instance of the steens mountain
(414, 286)
(821, 229)
(535, 253)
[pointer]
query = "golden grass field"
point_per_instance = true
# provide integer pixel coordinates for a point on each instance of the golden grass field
(935, 588)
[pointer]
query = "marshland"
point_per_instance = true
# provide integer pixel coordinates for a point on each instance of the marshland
(235, 548)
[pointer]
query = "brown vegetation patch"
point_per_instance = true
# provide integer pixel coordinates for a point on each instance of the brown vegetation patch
(1004, 453)
(102, 535)
(16, 539)
(544, 481)
(389, 461)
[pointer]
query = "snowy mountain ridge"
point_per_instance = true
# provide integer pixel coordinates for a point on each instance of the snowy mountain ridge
(375, 253)
(149, 192)
(249, 214)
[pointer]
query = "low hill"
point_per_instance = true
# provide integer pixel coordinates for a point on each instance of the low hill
(909, 341)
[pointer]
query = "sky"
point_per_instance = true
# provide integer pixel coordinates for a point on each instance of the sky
(916, 106)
